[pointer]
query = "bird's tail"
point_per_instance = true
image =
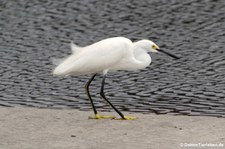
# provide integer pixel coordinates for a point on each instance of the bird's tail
(57, 61)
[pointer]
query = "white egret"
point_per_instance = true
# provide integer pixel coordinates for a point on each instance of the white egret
(112, 54)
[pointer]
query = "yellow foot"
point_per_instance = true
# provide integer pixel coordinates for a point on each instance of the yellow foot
(97, 116)
(127, 118)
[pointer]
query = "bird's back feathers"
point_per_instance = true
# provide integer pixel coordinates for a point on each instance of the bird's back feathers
(94, 58)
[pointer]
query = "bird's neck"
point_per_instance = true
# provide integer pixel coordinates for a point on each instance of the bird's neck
(142, 56)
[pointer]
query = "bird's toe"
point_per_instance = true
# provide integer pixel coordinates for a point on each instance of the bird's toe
(97, 116)
(127, 118)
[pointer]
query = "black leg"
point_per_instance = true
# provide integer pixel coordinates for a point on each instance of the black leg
(88, 93)
(103, 96)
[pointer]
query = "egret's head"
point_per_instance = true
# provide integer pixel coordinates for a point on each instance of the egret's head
(148, 45)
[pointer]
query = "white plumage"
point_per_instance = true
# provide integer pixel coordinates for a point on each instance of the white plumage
(110, 54)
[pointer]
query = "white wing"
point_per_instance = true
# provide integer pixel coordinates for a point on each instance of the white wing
(96, 58)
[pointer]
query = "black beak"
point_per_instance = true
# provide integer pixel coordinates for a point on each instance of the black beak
(167, 53)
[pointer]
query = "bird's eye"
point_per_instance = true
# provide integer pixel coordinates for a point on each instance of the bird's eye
(153, 47)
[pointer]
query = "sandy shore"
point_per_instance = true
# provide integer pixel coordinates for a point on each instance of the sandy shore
(30, 128)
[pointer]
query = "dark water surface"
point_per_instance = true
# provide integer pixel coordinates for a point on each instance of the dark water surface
(32, 32)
